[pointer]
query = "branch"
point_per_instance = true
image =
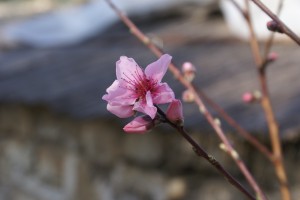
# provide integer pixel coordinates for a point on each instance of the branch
(202, 153)
(135, 31)
(269, 43)
(286, 30)
(259, 146)
(261, 64)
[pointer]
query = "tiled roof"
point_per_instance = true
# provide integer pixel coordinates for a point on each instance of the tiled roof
(73, 79)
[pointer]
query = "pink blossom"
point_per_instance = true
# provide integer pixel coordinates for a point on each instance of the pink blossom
(139, 124)
(189, 71)
(138, 90)
(174, 112)
(248, 97)
(188, 67)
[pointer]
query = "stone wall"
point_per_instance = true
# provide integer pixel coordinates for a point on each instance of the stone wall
(46, 156)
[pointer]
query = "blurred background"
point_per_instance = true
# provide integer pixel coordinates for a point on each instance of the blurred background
(58, 141)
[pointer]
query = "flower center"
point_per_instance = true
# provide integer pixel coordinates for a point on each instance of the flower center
(143, 86)
(139, 83)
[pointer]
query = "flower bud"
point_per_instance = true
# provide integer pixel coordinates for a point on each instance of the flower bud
(140, 124)
(189, 71)
(174, 112)
(188, 96)
(251, 97)
(257, 94)
(248, 97)
(274, 26)
(273, 56)
(217, 121)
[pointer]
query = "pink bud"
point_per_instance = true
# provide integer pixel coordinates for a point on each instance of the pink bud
(274, 26)
(188, 96)
(273, 56)
(189, 71)
(248, 97)
(174, 112)
(139, 124)
(188, 67)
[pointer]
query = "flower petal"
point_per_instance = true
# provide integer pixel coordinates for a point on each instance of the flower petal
(139, 124)
(146, 106)
(118, 95)
(113, 86)
(163, 94)
(112, 91)
(127, 70)
(157, 69)
(126, 98)
(121, 111)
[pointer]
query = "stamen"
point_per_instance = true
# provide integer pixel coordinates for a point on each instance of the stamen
(127, 87)
(139, 83)
(139, 80)
(129, 81)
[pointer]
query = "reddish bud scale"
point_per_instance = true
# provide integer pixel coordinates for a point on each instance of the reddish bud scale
(273, 56)
(274, 26)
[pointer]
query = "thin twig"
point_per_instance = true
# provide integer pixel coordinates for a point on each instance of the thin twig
(269, 42)
(253, 39)
(261, 65)
(285, 29)
(135, 31)
(258, 145)
(202, 153)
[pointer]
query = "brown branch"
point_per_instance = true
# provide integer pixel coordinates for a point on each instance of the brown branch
(269, 42)
(253, 39)
(202, 153)
(135, 31)
(274, 137)
(261, 64)
(262, 148)
(216, 107)
(286, 30)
